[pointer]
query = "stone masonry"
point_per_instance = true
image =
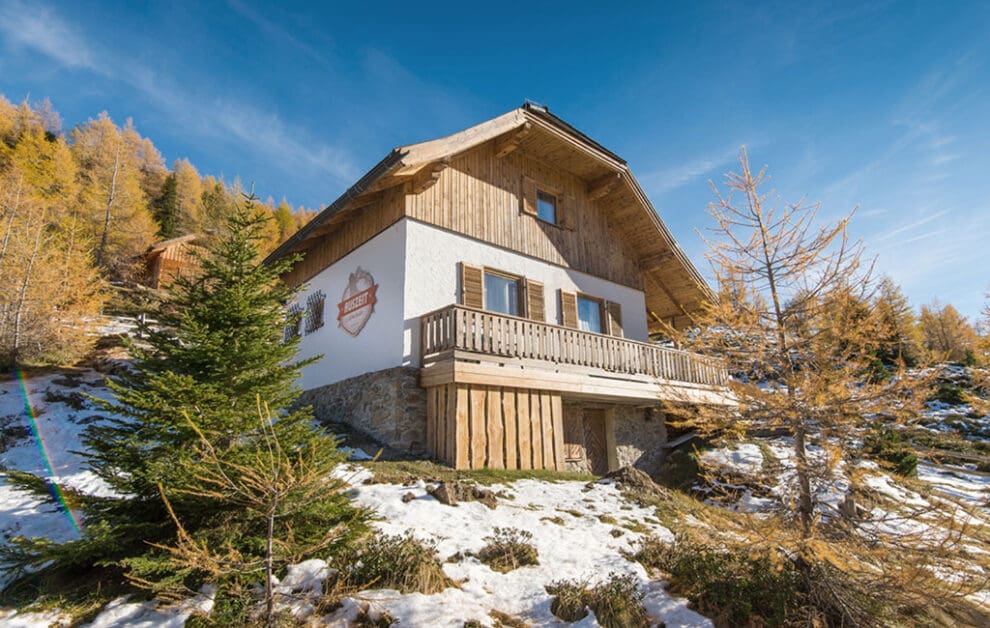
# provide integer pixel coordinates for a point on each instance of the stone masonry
(389, 406)
(637, 433)
(638, 438)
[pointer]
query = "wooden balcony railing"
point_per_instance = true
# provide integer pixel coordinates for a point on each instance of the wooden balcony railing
(458, 328)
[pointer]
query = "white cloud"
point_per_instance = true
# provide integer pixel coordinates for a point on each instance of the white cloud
(260, 132)
(663, 181)
(38, 28)
(911, 226)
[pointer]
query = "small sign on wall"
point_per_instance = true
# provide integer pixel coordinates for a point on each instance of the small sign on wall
(358, 302)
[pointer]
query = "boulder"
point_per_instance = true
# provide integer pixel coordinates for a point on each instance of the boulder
(456, 491)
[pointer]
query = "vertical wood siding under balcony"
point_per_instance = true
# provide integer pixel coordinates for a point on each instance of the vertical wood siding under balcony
(460, 328)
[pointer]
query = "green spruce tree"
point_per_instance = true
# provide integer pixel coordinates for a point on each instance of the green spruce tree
(215, 353)
(165, 209)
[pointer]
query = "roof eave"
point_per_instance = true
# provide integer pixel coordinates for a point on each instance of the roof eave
(382, 168)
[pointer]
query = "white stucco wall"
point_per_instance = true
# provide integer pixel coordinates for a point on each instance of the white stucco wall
(416, 267)
(380, 343)
(432, 266)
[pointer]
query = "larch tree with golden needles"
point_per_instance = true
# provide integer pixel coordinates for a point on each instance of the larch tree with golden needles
(118, 170)
(794, 322)
(49, 291)
(947, 335)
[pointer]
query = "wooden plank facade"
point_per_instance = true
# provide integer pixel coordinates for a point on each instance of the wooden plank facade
(480, 195)
(479, 426)
(168, 260)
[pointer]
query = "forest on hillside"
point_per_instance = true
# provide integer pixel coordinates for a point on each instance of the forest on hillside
(79, 207)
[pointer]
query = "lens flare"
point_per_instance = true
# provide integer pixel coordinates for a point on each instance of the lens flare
(53, 487)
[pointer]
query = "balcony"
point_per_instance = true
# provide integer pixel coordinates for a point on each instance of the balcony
(464, 345)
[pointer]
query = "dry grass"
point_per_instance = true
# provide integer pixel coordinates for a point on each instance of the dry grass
(403, 563)
(509, 549)
(405, 471)
(617, 601)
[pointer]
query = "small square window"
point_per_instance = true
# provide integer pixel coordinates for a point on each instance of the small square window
(546, 207)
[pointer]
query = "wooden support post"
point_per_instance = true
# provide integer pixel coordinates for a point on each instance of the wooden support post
(460, 451)
(613, 454)
(494, 458)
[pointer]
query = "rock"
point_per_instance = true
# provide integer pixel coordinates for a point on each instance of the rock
(450, 493)
(632, 479)
(408, 497)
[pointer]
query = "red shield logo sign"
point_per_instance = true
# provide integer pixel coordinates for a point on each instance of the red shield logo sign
(358, 302)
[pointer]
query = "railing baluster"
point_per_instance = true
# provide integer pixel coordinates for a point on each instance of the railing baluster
(461, 328)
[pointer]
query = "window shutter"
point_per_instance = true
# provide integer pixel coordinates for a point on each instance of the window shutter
(565, 211)
(613, 313)
(568, 309)
(535, 305)
(472, 286)
(528, 196)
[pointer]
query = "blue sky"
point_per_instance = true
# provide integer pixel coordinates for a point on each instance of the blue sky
(882, 106)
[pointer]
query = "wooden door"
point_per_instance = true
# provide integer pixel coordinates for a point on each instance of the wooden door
(595, 444)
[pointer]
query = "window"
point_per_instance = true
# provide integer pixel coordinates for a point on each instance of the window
(501, 294)
(497, 291)
(293, 322)
(314, 311)
(546, 207)
(547, 203)
(589, 313)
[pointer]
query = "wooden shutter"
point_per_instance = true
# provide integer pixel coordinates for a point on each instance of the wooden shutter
(528, 196)
(472, 286)
(535, 305)
(568, 309)
(565, 212)
(613, 314)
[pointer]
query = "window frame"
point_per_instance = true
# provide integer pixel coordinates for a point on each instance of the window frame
(520, 295)
(542, 191)
(602, 325)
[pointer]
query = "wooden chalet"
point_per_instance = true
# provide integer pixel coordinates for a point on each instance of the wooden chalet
(167, 260)
(496, 293)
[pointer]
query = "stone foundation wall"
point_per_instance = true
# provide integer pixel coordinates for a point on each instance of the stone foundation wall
(638, 438)
(636, 433)
(387, 405)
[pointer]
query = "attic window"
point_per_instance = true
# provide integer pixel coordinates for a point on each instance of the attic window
(546, 207)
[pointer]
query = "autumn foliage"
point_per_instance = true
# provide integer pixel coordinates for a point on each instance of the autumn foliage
(77, 212)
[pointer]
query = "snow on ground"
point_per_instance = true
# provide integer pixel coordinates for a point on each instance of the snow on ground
(969, 488)
(744, 459)
(745, 463)
(45, 446)
(565, 519)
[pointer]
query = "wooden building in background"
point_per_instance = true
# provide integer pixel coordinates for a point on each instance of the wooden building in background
(496, 291)
(169, 259)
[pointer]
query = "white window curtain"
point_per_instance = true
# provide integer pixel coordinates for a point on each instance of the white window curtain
(501, 294)
(589, 315)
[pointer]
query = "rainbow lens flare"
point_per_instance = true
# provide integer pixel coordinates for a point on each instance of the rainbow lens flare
(58, 496)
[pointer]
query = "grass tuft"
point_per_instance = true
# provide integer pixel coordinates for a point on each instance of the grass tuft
(398, 562)
(617, 601)
(508, 549)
